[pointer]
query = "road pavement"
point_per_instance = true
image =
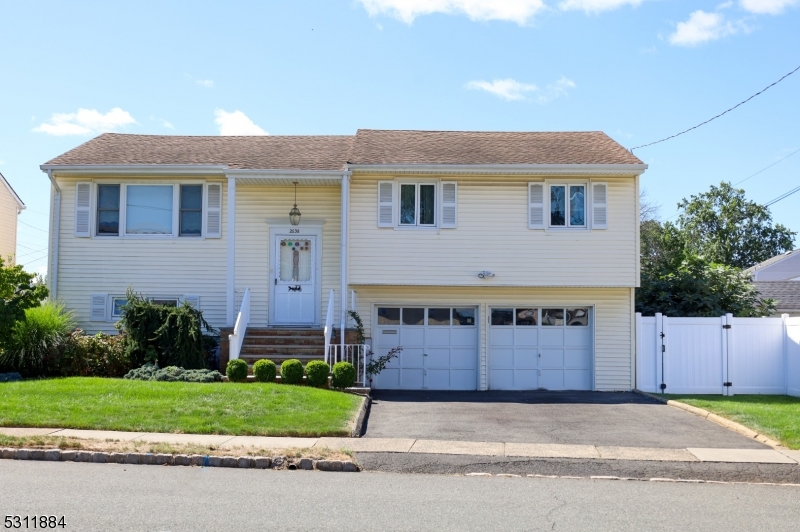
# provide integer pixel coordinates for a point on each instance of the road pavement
(154, 498)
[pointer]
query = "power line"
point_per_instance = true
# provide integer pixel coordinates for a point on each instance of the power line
(719, 115)
(781, 197)
(31, 253)
(32, 227)
(768, 167)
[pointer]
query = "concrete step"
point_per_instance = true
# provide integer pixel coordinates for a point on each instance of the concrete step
(278, 359)
(285, 340)
(266, 350)
(272, 332)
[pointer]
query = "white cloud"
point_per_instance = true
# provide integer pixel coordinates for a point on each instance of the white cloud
(85, 122)
(236, 123)
(703, 27)
(596, 6)
(519, 11)
(768, 7)
(511, 90)
(207, 83)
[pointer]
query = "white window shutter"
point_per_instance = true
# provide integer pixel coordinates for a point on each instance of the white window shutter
(99, 302)
(194, 301)
(535, 205)
(449, 204)
(213, 210)
(385, 204)
(600, 205)
(83, 209)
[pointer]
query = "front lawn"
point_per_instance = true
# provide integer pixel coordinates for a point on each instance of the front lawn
(181, 407)
(776, 416)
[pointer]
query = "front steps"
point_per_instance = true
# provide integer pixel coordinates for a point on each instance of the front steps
(280, 344)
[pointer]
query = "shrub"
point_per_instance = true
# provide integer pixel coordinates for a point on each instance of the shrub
(149, 372)
(264, 370)
(101, 355)
(292, 371)
(19, 290)
(35, 341)
(236, 370)
(10, 377)
(173, 333)
(317, 373)
(344, 375)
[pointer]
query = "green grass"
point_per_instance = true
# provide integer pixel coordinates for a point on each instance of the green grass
(180, 407)
(776, 416)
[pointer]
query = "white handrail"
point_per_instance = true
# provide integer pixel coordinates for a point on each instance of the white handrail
(356, 354)
(236, 339)
(329, 324)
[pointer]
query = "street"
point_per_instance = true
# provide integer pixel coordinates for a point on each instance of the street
(153, 498)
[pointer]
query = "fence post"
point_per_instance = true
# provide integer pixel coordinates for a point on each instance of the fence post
(731, 347)
(659, 341)
(784, 317)
(638, 347)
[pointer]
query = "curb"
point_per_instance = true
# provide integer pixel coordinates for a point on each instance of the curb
(363, 410)
(719, 420)
(241, 462)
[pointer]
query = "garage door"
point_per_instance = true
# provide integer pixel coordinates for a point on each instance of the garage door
(540, 348)
(440, 348)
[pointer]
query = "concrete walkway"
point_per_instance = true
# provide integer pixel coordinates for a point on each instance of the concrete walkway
(422, 446)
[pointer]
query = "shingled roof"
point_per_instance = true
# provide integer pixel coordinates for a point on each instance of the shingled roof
(367, 147)
(785, 293)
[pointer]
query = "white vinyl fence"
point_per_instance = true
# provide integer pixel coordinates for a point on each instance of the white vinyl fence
(723, 355)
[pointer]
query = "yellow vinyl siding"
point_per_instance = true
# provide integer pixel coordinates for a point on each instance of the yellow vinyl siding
(8, 224)
(612, 318)
(493, 234)
(257, 204)
(153, 266)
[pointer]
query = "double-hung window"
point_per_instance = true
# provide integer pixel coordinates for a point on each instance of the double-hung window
(418, 204)
(149, 209)
(567, 205)
(191, 219)
(108, 210)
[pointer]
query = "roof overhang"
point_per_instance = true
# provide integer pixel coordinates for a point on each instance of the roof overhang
(135, 169)
(631, 170)
(20, 204)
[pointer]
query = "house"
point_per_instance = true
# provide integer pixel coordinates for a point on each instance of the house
(496, 260)
(778, 278)
(10, 207)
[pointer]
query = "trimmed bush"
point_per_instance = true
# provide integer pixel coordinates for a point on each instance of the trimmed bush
(292, 371)
(264, 370)
(101, 355)
(317, 373)
(344, 375)
(35, 342)
(149, 372)
(237, 370)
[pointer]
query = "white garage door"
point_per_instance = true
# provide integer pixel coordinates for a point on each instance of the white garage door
(440, 348)
(540, 348)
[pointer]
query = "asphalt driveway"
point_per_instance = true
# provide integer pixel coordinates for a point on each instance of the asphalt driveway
(577, 418)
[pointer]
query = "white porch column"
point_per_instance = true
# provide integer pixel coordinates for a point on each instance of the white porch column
(231, 285)
(344, 253)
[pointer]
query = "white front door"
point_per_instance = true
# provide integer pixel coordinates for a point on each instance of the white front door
(295, 280)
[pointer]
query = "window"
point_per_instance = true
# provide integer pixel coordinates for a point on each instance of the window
(148, 209)
(567, 205)
(108, 210)
(166, 301)
(418, 204)
(191, 218)
(116, 306)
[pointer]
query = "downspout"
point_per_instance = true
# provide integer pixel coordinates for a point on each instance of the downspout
(344, 253)
(55, 226)
(231, 258)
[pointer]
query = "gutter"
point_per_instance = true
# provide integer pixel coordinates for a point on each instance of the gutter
(507, 169)
(55, 227)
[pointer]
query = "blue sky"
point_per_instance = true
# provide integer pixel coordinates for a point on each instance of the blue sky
(639, 70)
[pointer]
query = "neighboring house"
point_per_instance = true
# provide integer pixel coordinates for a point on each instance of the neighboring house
(778, 278)
(10, 207)
(497, 260)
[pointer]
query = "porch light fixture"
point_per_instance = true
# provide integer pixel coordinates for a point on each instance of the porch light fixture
(294, 214)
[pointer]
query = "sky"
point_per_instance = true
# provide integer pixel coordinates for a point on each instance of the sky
(639, 70)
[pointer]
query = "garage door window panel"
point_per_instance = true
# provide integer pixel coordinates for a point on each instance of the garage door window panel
(553, 316)
(464, 316)
(578, 317)
(502, 316)
(388, 316)
(413, 316)
(438, 316)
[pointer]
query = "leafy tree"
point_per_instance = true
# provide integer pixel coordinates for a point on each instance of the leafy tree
(725, 228)
(19, 290)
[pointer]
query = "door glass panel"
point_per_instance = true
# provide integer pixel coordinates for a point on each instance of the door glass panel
(295, 264)
(463, 316)
(552, 316)
(558, 206)
(407, 204)
(413, 316)
(527, 316)
(388, 316)
(502, 316)
(427, 204)
(438, 316)
(149, 210)
(578, 316)
(577, 205)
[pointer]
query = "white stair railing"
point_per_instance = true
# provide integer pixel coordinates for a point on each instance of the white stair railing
(356, 354)
(329, 325)
(236, 339)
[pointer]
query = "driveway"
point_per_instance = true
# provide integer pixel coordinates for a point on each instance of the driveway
(576, 418)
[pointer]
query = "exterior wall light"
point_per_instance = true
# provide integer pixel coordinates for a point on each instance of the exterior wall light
(294, 214)
(485, 274)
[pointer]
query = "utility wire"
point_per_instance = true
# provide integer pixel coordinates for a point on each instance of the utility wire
(32, 226)
(719, 115)
(781, 197)
(768, 167)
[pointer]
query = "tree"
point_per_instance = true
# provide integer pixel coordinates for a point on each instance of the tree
(18, 291)
(725, 228)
